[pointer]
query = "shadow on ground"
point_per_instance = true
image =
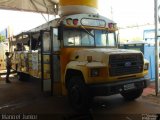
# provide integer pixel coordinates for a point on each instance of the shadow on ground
(25, 97)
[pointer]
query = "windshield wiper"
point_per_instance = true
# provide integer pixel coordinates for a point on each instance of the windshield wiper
(87, 31)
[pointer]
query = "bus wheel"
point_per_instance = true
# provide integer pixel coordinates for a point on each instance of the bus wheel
(78, 94)
(132, 95)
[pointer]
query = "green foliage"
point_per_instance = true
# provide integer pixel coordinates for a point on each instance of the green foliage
(2, 38)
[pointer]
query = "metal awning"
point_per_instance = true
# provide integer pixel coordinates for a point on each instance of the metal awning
(40, 6)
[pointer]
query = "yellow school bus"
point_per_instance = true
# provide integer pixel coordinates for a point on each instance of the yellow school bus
(77, 56)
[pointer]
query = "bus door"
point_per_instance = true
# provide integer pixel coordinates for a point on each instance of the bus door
(45, 61)
(55, 64)
(50, 61)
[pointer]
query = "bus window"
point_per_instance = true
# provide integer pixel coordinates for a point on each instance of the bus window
(88, 37)
(46, 41)
(101, 38)
(111, 39)
(56, 44)
(77, 38)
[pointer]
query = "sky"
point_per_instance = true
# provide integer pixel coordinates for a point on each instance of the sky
(20, 21)
(123, 12)
(128, 12)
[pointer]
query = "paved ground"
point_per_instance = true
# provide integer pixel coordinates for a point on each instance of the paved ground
(26, 98)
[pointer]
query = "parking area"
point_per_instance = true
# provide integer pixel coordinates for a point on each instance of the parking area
(81, 49)
(25, 97)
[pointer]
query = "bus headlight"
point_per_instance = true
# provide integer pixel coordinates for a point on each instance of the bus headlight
(94, 72)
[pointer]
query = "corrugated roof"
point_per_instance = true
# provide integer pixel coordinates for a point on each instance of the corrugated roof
(40, 6)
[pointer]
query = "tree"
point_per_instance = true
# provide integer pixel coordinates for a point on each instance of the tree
(2, 38)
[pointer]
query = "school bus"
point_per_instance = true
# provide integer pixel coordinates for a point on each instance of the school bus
(77, 55)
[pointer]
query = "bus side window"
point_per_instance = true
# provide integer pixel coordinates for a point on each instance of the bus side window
(56, 47)
(56, 42)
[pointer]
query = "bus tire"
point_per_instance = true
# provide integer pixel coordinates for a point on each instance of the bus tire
(78, 94)
(132, 95)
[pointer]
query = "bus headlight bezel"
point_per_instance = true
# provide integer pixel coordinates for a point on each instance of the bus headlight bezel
(94, 72)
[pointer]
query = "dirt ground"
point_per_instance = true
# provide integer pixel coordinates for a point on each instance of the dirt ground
(25, 98)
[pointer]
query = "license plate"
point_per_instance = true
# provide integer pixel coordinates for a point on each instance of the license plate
(129, 86)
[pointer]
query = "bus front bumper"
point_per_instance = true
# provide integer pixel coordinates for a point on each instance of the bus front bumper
(119, 86)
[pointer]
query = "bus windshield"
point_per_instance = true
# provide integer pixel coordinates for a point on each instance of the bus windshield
(89, 37)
